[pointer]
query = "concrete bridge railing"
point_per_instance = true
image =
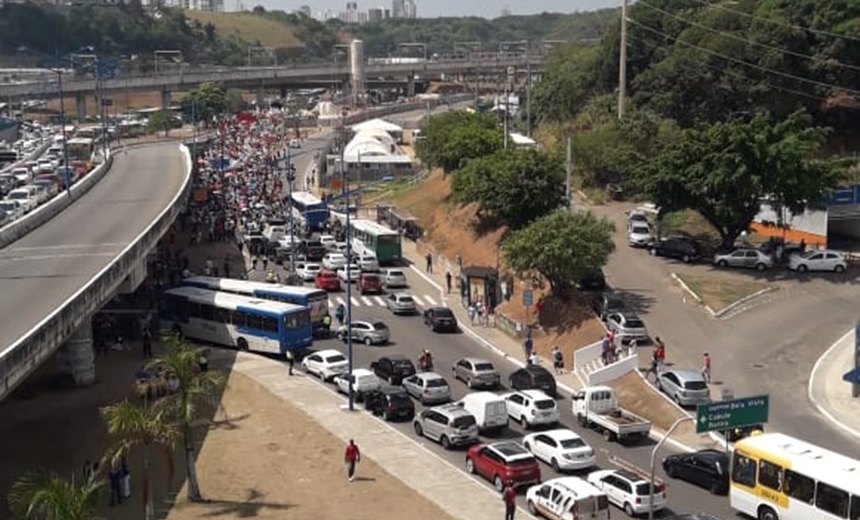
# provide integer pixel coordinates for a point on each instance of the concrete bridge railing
(25, 355)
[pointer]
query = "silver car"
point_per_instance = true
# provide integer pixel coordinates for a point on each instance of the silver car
(639, 234)
(401, 303)
(476, 373)
(749, 258)
(428, 387)
(685, 387)
(626, 326)
(394, 278)
(449, 425)
(367, 332)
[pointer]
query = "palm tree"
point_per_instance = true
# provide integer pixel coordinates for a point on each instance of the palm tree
(195, 388)
(144, 426)
(47, 496)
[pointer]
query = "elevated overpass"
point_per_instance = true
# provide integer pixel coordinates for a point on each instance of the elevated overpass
(279, 77)
(55, 277)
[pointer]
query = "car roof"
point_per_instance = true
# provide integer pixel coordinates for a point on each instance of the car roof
(328, 352)
(534, 394)
(475, 361)
(717, 455)
(629, 475)
(429, 375)
(685, 374)
(511, 450)
(450, 409)
(362, 372)
(444, 309)
(560, 433)
(393, 390)
(629, 315)
(535, 369)
(401, 294)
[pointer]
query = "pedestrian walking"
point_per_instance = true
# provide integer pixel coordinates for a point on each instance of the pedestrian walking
(147, 344)
(706, 368)
(471, 312)
(265, 263)
(351, 457)
(557, 360)
(291, 360)
(254, 263)
(115, 479)
(528, 347)
(448, 278)
(203, 361)
(429, 259)
(509, 495)
(125, 479)
(660, 353)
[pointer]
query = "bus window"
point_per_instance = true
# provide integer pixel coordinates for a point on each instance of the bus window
(270, 324)
(855, 508)
(743, 470)
(207, 312)
(239, 318)
(831, 499)
(254, 321)
(223, 316)
(770, 475)
(800, 487)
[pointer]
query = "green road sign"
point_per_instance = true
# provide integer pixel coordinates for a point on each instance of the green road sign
(727, 415)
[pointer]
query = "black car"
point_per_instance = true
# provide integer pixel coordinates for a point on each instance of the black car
(391, 404)
(440, 319)
(706, 468)
(679, 248)
(533, 377)
(393, 369)
(606, 304)
(595, 281)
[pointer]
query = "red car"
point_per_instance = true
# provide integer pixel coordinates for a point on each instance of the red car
(503, 462)
(369, 283)
(327, 281)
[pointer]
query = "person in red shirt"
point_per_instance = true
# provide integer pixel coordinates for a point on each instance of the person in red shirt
(510, 497)
(351, 458)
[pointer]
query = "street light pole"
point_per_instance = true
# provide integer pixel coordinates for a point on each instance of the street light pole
(345, 173)
(654, 462)
(292, 217)
(66, 166)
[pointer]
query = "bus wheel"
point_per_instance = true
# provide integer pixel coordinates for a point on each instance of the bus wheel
(766, 513)
(242, 343)
(177, 331)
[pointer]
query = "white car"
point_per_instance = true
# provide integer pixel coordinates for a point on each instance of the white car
(639, 234)
(368, 263)
(744, 257)
(531, 407)
(24, 197)
(308, 270)
(818, 261)
(628, 490)
(12, 208)
(333, 261)
(363, 381)
(393, 278)
(328, 242)
(562, 449)
(349, 275)
(325, 364)
(341, 247)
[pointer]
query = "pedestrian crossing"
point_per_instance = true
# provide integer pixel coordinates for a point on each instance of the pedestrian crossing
(378, 300)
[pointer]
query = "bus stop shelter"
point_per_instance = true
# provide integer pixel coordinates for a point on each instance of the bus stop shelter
(479, 285)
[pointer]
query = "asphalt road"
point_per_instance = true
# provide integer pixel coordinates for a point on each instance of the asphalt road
(410, 336)
(769, 348)
(54, 261)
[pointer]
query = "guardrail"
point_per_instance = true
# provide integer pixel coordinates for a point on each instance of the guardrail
(376, 112)
(32, 157)
(21, 358)
(17, 229)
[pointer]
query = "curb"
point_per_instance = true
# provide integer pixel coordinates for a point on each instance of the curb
(692, 293)
(725, 310)
(655, 434)
(810, 394)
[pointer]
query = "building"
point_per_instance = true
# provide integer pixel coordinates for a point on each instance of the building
(410, 10)
(351, 15)
(375, 14)
(305, 10)
(397, 8)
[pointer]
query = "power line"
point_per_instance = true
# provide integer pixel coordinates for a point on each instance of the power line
(750, 42)
(742, 62)
(777, 22)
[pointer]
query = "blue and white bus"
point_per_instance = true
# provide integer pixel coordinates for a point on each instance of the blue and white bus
(310, 209)
(246, 323)
(314, 299)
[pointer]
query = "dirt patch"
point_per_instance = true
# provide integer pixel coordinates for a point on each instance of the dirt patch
(689, 223)
(636, 395)
(719, 292)
(450, 231)
(270, 460)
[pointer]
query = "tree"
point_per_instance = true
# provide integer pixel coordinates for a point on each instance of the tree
(563, 247)
(47, 496)
(162, 121)
(233, 100)
(452, 138)
(204, 102)
(195, 388)
(513, 187)
(145, 426)
(724, 171)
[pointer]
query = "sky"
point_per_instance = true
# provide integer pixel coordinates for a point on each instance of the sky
(436, 8)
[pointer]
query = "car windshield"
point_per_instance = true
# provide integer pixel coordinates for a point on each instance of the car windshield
(337, 358)
(395, 273)
(640, 230)
(634, 323)
(695, 385)
(443, 313)
(525, 461)
(572, 443)
(464, 421)
(401, 363)
(484, 367)
(371, 278)
(436, 383)
(379, 326)
(545, 404)
(405, 299)
(18, 195)
(399, 399)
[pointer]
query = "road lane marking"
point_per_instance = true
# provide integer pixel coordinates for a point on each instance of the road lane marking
(70, 246)
(366, 301)
(429, 299)
(340, 301)
(354, 301)
(379, 300)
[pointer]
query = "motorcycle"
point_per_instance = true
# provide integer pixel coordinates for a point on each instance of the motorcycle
(425, 365)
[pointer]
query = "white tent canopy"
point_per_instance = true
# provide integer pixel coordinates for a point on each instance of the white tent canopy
(373, 146)
(377, 125)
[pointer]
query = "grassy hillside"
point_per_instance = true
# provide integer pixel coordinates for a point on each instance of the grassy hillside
(249, 27)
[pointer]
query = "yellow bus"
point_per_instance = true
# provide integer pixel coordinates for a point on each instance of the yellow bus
(777, 477)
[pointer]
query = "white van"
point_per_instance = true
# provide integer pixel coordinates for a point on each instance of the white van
(24, 197)
(275, 233)
(567, 498)
(489, 409)
(22, 175)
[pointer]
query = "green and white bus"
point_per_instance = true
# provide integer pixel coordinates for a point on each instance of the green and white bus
(369, 237)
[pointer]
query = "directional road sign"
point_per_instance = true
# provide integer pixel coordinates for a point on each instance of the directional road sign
(528, 298)
(728, 415)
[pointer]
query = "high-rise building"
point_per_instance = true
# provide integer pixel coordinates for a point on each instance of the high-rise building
(410, 10)
(374, 14)
(351, 13)
(397, 8)
(386, 13)
(305, 10)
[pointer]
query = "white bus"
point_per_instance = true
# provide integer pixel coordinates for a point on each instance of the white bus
(310, 209)
(777, 477)
(314, 299)
(247, 323)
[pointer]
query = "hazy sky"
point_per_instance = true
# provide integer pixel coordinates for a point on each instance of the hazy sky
(436, 8)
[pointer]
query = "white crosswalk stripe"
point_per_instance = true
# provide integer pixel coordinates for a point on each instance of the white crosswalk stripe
(331, 304)
(340, 301)
(429, 299)
(379, 300)
(366, 301)
(354, 301)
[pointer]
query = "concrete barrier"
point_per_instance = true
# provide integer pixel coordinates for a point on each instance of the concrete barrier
(613, 371)
(17, 229)
(586, 355)
(32, 157)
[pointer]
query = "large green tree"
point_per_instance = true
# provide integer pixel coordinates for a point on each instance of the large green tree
(452, 138)
(47, 496)
(512, 187)
(204, 102)
(724, 171)
(563, 247)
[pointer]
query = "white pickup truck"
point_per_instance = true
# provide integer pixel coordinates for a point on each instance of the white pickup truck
(597, 407)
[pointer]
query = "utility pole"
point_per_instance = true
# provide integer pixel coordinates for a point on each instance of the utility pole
(507, 96)
(528, 95)
(292, 211)
(622, 62)
(569, 173)
(345, 174)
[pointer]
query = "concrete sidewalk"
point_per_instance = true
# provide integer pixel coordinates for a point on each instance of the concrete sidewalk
(511, 348)
(829, 393)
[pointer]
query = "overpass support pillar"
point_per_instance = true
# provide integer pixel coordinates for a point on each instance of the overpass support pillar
(410, 87)
(261, 96)
(80, 107)
(283, 92)
(165, 99)
(76, 358)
